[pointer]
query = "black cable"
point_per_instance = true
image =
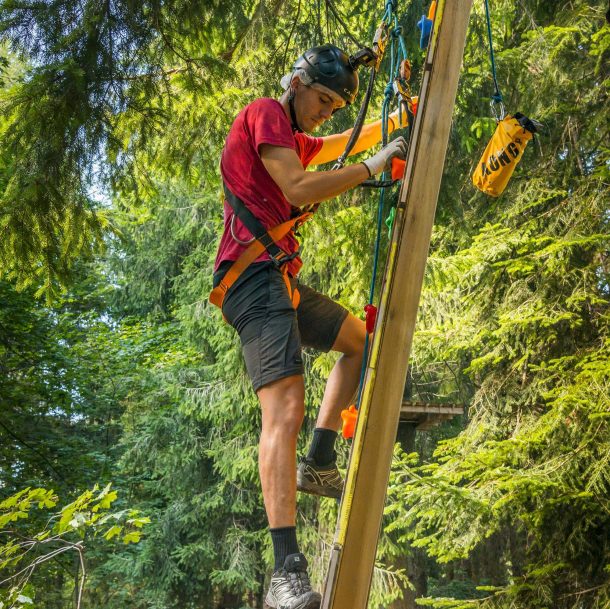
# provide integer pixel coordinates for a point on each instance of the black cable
(319, 33)
(359, 120)
(294, 25)
(378, 183)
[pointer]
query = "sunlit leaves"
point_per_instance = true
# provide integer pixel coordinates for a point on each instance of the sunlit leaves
(24, 550)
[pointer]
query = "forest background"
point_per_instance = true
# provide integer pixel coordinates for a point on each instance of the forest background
(115, 370)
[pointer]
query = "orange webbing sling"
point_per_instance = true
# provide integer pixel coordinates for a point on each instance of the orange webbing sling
(263, 240)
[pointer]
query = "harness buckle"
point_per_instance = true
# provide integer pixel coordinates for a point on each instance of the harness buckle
(281, 259)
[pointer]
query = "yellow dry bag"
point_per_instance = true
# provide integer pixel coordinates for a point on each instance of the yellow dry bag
(503, 153)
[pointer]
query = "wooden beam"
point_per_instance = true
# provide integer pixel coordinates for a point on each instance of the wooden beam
(353, 553)
(425, 416)
(436, 407)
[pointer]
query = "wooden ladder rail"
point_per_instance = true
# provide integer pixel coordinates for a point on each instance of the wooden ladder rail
(353, 553)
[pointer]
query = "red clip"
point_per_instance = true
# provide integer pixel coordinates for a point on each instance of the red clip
(371, 317)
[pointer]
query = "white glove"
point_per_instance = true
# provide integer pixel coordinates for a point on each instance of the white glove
(396, 148)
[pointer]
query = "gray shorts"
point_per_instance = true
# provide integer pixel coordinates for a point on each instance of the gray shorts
(272, 332)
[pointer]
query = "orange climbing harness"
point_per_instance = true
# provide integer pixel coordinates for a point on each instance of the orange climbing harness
(263, 239)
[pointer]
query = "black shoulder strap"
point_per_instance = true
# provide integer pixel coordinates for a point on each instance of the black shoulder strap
(259, 232)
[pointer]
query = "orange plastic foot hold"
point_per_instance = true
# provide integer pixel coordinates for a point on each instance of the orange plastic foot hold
(349, 416)
(398, 168)
(414, 104)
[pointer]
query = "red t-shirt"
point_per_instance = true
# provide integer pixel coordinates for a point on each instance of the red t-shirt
(261, 122)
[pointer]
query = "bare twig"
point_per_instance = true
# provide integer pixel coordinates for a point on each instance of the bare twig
(40, 560)
(294, 25)
(339, 18)
(82, 577)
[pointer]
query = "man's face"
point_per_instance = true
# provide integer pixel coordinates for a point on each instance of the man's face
(314, 105)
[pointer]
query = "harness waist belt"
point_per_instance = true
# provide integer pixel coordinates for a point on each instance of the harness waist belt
(263, 240)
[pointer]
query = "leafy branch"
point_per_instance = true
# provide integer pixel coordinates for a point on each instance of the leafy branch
(65, 531)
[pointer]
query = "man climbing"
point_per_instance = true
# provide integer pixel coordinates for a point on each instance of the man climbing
(263, 168)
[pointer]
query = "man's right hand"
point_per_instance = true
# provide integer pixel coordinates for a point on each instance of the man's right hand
(396, 148)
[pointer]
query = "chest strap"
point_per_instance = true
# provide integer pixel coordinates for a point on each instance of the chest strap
(263, 240)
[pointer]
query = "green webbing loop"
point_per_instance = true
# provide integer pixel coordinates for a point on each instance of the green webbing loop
(389, 221)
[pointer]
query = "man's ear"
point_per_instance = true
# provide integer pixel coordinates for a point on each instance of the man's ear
(295, 83)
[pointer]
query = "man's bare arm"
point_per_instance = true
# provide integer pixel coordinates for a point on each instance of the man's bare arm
(334, 145)
(302, 187)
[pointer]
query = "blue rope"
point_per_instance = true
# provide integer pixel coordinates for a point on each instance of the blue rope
(372, 288)
(397, 53)
(377, 240)
(497, 96)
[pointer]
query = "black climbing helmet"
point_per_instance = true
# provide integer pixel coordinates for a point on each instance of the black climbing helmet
(331, 67)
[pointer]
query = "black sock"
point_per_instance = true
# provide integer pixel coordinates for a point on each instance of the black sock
(284, 543)
(322, 449)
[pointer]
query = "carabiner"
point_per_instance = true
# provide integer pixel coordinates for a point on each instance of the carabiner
(496, 105)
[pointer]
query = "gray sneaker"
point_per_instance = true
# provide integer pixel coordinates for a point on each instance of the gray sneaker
(290, 588)
(324, 480)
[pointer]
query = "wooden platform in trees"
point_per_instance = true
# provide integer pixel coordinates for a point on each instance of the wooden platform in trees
(425, 416)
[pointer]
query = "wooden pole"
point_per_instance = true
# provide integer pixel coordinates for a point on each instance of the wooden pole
(353, 554)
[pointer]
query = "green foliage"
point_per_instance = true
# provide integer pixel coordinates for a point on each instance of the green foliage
(24, 547)
(46, 214)
(518, 299)
(114, 116)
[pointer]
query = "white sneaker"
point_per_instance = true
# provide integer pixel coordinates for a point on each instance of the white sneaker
(290, 588)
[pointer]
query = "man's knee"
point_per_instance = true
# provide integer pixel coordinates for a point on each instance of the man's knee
(283, 405)
(352, 337)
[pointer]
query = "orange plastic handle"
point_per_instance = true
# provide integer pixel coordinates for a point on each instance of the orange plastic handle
(349, 416)
(398, 170)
